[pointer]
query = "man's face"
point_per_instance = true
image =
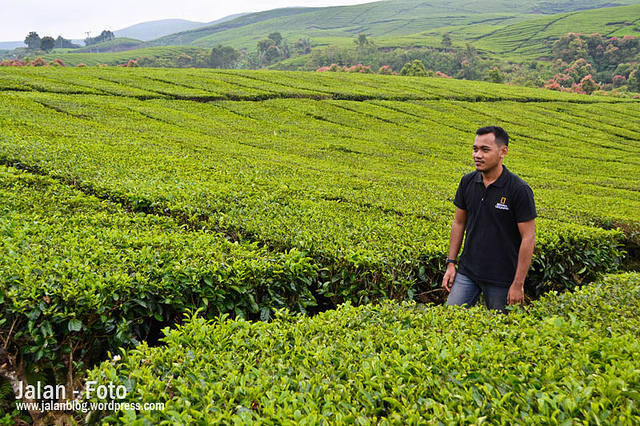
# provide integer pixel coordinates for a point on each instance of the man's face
(487, 153)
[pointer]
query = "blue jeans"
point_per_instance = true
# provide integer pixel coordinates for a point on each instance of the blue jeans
(465, 292)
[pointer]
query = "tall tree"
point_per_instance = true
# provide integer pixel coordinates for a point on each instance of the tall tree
(362, 40)
(63, 43)
(32, 40)
(303, 46)
(264, 45)
(276, 37)
(446, 41)
(223, 57)
(634, 80)
(47, 43)
(105, 35)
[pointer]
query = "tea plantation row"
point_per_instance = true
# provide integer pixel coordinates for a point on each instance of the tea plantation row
(570, 358)
(206, 85)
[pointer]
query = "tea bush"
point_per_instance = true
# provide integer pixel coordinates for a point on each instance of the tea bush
(569, 358)
(81, 276)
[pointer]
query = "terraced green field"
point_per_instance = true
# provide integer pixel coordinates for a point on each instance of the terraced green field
(134, 195)
(535, 37)
(358, 171)
(73, 58)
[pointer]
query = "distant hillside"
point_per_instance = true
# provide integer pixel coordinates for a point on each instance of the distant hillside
(155, 29)
(383, 19)
(73, 58)
(535, 37)
(226, 18)
(7, 45)
(118, 44)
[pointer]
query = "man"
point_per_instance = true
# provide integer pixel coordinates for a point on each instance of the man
(497, 210)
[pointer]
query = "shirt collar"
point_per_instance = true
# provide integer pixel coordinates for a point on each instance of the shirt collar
(500, 182)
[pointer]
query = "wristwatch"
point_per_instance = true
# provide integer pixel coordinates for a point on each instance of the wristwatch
(449, 260)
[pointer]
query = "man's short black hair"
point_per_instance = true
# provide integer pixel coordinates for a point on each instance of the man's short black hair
(500, 134)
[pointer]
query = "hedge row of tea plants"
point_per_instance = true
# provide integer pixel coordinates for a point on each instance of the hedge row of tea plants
(81, 276)
(570, 358)
(255, 85)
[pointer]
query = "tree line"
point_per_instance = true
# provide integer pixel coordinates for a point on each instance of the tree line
(47, 43)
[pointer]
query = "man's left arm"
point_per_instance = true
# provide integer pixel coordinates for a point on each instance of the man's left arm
(528, 234)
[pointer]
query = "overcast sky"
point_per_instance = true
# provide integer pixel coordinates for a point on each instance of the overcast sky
(73, 18)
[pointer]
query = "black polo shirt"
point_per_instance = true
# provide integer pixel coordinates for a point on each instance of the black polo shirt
(492, 242)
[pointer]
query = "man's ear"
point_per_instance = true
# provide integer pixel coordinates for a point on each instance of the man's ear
(503, 151)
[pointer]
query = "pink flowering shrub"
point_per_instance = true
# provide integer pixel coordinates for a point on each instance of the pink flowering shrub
(38, 62)
(588, 85)
(385, 69)
(552, 84)
(13, 63)
(331, 68)
(619, 80)
(365, 69)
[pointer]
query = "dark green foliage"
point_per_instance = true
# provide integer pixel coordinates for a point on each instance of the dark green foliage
(363, 41)
(496, 76)
(47, 43)
(634, 80)
(303, 46)
(63, 43)
(566, 359)
(276, 37)
(272, 49)
(223, 57)
(105, 35)
(32, 40)
(446, 40)
(415, 68)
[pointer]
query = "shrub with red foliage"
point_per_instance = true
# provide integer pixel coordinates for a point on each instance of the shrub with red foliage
(442, 75)
(588, 85)
(38, 62)
(619, 80)
(385, 69)
(359, 68)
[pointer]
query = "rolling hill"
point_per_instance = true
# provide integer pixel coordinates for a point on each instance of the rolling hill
(535, 37)
(154, 29)
(385, 20)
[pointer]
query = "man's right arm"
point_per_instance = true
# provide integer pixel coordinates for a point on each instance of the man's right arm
(457, 233)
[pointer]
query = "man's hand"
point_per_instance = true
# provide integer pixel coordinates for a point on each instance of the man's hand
(516, 294)
(449, 277)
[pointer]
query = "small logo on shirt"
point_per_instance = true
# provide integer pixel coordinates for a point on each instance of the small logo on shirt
(501, 205)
